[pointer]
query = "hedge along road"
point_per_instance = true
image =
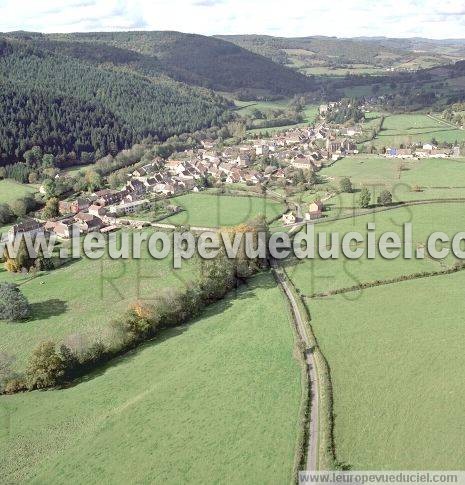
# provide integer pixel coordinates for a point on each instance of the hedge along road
(312, 443)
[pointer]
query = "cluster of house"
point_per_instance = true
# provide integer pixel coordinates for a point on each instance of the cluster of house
(298, 148)
(306, 148)
(314, 211)
(426, 151)
(302, 148)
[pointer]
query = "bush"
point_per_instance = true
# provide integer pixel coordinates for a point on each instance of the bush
(46, 367)
(346, 185)
(6, 372)
(13, 304)
(364, 198)
(139, 321)
(6, 215)
(51, 208)
(385, 198)
(17, 384)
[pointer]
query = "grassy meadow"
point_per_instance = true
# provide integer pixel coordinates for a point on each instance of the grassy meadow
(11, 191)
(200, 404)
(82, 297)
(407, 180)
(208, 210)
(396, 358)
(318, 275)
(309, 113)
(246, 108)
(411, 128)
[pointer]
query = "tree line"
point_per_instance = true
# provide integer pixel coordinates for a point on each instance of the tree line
(55, 363)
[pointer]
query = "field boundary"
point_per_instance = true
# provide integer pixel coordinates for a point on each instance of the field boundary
(326, 459)
(390, 281)
(303, 418)
(396, 205)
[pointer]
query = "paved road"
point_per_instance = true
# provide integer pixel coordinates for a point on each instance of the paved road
(312, 445)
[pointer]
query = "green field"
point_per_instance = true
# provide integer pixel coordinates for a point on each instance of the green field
(436, 178)
(71, 172)
(411, 128)
(394, 351)
(246, 108)
(82, 297)
(364, 170)
(309, 113)
(11, 190)
(356, 69)
(211, 402)
(397, 360)
(318, 275)
(204, 210)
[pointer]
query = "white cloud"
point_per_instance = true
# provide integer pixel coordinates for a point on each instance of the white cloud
(393, 18)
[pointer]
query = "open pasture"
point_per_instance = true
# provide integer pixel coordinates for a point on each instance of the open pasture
(200, 403)
(11, 191)
(412, 128)
(210, 210)
(82, 297)
(407, 180)
(319, 275)
(397, 362)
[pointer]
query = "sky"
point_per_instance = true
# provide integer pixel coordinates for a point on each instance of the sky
(288, 18)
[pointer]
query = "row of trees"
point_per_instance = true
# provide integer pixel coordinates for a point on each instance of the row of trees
(51, 364)
(365, 196)
(54, 363)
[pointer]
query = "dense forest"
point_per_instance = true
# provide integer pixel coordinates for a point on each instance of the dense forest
(195, 59)
(58, 124)
(64, 104)
(98, 93)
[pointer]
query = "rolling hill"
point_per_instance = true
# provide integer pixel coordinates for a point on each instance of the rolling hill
(95, 91)
(200, 60)
(337, 56)
(66, 99)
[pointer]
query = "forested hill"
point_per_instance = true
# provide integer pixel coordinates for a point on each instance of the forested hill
(196, 59)
(306, 54)
(63, 103)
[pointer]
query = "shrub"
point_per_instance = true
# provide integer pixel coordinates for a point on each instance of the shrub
(139, 321)
(346, 185)
(6, 215)
(6, 372)
(14, 385)
(364, 198)
(94, 354)
(385, 198)
(70, 361)
(51, 208)
(13, 304)
(46, 367)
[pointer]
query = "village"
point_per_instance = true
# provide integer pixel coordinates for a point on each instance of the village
(253, 162)
(266, 161)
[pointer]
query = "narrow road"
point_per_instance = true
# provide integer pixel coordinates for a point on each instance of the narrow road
(312, 444)
(456, 127)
